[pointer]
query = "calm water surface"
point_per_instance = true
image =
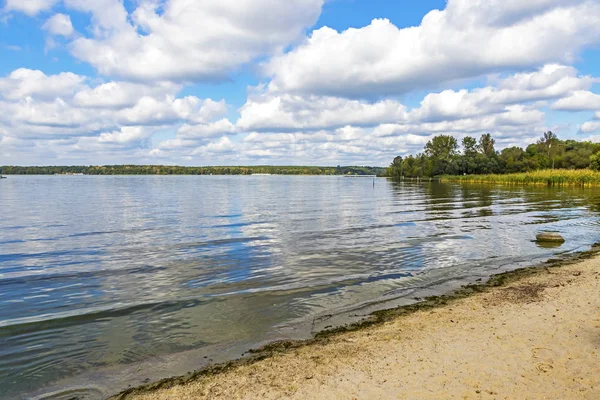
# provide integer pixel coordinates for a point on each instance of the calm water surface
(108, 281)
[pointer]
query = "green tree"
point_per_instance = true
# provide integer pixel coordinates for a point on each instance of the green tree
(486, 145)
(512, 159)
(396, 168)
(469, 164)
(550, 145)
(469, 145)
(595, 161)
(442, 151)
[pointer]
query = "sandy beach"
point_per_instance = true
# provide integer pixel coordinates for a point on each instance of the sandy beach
(530, 335)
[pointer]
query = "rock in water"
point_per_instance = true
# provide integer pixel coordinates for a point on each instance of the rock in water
(550, 237)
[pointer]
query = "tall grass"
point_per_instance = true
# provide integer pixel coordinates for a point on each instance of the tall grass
(548, 177)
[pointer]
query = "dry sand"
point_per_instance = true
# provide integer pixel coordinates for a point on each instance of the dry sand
(537, 337)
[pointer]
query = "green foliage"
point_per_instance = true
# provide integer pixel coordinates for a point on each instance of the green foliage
(548, 177)
(443, 151)
(175, 170)
(441, 157)
(469, 146)
(486, 145)
(595, 161)
(396, 168)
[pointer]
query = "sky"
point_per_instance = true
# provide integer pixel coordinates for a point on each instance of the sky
(289, 82)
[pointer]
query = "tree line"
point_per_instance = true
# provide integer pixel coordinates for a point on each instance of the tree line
(177, 170)
(442, 155)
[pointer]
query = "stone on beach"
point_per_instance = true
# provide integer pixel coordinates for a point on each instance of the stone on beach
(550, 237)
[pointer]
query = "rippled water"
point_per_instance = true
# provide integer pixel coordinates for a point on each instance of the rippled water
(107, 281)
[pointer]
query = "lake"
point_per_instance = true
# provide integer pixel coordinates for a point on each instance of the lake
(109, 281)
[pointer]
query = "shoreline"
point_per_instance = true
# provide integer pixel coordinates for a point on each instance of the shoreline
(584, 178)
(255, 367)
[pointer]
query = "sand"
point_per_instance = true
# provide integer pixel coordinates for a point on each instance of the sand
(537, 337)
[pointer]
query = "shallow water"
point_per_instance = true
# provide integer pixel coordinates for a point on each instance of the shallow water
(107, 281)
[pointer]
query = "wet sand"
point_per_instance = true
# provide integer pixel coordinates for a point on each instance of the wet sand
(533, 334)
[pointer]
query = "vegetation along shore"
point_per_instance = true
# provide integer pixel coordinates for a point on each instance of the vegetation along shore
(547, 161)
(548, 177)
(530, 333)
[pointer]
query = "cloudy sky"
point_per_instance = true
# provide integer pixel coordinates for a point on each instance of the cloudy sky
(315, 82)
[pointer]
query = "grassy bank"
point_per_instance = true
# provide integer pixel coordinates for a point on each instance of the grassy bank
(548, 177)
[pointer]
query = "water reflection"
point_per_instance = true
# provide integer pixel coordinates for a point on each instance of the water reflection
(98, 272)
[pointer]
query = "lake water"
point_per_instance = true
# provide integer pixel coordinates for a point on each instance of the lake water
(110, 281)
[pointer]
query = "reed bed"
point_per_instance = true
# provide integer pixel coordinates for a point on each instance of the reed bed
(547, 177)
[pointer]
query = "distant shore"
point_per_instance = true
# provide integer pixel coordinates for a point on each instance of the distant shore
(181, 170)
(531, 333)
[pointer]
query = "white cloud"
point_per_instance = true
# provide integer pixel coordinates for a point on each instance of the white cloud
(549, 82)
(466, 40)
(120, 94)
(508, 103)
(183, 40)
(202, 131)
(57, 114)
(578, 101)
(59, 25)
(122, 117)
(29, 7)
(23, 83)
(199, 111)
(222, 145)
(126, 134)
(515, 120)
(108, 16)
(216, 148)
(51, 116)
(292, 112)
(156, 111)
(352, 145)
(590, 127)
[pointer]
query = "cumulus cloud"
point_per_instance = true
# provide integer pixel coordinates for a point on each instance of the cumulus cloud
(23, 83)
(465, 40)
(156, 111)
(29, 7)
(507, 102)
(120, 94)
(268, 112)
(123, 117)
(590, 127)
(549, 82)
(70, 116)
(126, 134)
(578, 101)
(181, 40)
(59, 25)
(203, 131)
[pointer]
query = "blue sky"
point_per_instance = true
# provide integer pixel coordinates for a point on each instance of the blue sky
(299, 82)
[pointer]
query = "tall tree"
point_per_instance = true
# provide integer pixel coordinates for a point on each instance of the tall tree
(550, 144)
(442, 146)
(595, 161)
(547, 139)
(486, 145)
(469, 164)
(442, 151)
(396, 168)
(469, 145)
